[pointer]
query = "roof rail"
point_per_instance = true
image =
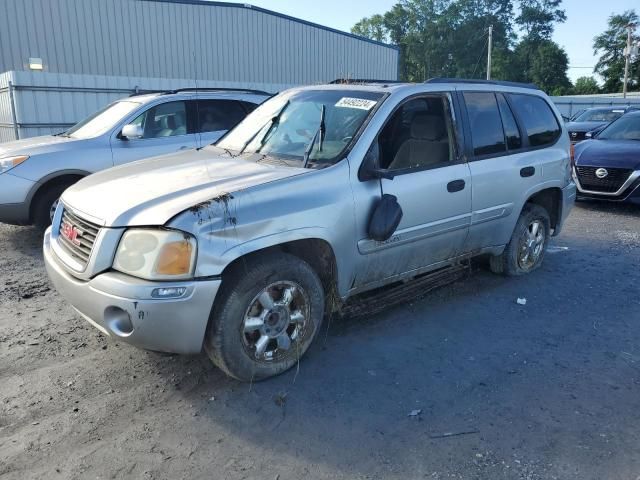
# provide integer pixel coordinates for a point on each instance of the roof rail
(360, 81)
(220, 89)
(202, 89)
(484, 82)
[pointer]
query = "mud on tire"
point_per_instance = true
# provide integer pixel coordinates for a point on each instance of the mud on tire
(514, 260)
(266, 315)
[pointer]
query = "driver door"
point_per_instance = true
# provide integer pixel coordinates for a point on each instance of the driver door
(418, 146)
(167, 128)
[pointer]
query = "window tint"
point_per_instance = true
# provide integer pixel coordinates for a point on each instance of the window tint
(164, 120)
(418, 135)
(219, 115)
(509, 124)
(486, 125)
(539, 122)
(248, 106)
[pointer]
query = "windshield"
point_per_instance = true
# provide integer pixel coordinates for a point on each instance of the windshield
(289, 125)
(102, 120)
(626, 128)
(599, 116)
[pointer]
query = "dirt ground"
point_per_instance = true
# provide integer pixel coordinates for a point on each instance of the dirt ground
(548, 390)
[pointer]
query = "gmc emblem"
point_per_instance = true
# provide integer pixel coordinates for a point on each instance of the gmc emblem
(71, 232)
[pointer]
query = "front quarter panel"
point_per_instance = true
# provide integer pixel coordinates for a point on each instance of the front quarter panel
(315, 205)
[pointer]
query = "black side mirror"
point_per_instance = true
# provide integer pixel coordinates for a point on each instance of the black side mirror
(385, 219)
(370, 165)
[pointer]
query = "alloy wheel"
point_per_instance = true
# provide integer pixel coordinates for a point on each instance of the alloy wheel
(277, 322)
(531, 245)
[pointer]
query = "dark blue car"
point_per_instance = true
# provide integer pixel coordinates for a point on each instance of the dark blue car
(608, 166)
(594, 120)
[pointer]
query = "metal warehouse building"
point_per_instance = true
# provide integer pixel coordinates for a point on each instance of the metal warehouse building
(64, 59)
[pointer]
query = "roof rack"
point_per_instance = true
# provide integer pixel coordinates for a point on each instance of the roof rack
(484, 82)
(219, 89)
(360, 81)
(201, 89)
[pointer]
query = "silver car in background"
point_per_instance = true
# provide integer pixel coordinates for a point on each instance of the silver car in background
(320, 194)
(34, 172)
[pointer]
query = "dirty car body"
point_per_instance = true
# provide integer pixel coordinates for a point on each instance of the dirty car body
(293, 191)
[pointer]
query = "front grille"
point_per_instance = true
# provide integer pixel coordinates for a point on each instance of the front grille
(86, 232)
(577, 136)
(610, 184)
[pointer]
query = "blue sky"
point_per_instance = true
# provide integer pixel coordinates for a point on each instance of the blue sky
(585, 19)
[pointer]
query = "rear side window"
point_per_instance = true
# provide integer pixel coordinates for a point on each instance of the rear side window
(511, 132)
(219, 115)
(539, 122)
(485, 122)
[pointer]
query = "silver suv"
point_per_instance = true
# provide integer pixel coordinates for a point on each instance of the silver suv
(34, 172)
(320, 194)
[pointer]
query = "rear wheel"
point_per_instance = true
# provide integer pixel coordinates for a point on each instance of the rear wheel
(265, 318)
(525, 251)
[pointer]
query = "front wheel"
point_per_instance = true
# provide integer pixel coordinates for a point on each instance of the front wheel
(525, 251)
(265, 317)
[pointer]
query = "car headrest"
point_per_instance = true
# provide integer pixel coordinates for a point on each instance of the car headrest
(428, 127)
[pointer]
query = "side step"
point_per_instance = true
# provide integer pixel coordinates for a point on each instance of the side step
(378, 300)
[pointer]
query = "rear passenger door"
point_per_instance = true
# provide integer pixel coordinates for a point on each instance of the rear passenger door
(217, 117)
(506, 133)
(167, 128)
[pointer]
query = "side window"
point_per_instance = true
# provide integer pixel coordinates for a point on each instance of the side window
(511, 132)
(418, 135)
(216, 115)
(164, 120)
(539, 122)
(486, 125)
(249, 107)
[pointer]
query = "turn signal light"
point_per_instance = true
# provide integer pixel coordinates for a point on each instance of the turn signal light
(174, 259)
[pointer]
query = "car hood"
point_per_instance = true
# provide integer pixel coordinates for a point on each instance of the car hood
(584, 126)
(608, 153)
(152, 191)
(37, 145)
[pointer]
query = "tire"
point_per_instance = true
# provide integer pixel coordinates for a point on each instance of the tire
(525, 251)
(42, 212)
(246, 337)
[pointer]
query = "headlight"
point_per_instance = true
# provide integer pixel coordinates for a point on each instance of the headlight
(156, 254)
(8, 163)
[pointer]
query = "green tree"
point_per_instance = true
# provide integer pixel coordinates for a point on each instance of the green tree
(537, 17)
(372, 27)
(586, 86)
(610, 46)
(544, 63)
(448, 38)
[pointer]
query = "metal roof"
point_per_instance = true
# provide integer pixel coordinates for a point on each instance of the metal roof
(211, 3)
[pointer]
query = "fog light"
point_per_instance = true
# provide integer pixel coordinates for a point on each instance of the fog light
(118, 321)
(169, 292)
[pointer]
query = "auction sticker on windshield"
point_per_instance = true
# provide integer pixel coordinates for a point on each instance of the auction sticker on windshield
(360, 103)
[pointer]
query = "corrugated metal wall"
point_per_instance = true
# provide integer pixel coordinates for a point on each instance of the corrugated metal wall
(47, 103)
(188, 39)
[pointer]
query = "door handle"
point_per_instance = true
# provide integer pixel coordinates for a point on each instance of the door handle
(184, 147)
(456, 186)
(527, 172)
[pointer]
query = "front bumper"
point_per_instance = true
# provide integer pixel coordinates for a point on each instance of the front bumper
(14, 201)
(122, 306)
(628, 192)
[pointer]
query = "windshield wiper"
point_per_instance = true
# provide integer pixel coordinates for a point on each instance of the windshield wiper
(319, 133)
(273, 122)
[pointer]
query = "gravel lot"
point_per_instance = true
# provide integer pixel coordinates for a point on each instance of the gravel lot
(542, 391)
